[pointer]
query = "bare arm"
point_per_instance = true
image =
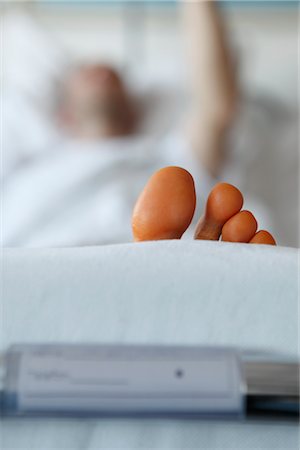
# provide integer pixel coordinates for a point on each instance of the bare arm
(213, 84)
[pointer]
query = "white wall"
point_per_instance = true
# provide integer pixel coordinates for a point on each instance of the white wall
(148, 41)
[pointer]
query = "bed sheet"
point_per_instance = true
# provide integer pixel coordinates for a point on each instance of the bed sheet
(171, 292)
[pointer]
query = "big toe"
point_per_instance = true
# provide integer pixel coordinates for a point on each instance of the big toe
(166, 206)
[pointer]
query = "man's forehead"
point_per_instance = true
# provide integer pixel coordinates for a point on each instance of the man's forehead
(101, 74)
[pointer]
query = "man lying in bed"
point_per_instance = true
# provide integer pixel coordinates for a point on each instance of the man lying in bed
(95, 103)
(82, 191)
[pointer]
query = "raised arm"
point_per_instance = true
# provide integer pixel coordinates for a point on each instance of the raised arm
(212, 81)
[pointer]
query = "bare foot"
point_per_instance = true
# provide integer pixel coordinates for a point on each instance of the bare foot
(166, 206)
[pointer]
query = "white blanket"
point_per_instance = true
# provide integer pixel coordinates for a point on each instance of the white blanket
(83, 194)
(167, 292)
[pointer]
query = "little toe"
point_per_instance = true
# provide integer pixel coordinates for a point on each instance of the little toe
(263, 237)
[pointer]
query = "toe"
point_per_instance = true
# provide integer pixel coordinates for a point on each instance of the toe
(166, 206)
(263, 237)
(240, 228)
(223, 202)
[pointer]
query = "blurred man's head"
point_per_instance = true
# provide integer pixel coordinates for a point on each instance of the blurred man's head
(95, 103)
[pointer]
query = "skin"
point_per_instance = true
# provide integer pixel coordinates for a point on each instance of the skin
(96, 104)
(223, 202)
(263, 237)
(240, 228)
(213, 82)
(166, 206)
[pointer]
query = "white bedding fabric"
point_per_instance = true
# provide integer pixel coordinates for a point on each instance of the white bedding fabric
(168, 292)
(84, 193)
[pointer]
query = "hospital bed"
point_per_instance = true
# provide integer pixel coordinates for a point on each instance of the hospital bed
(198, 293)
(171, 292)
